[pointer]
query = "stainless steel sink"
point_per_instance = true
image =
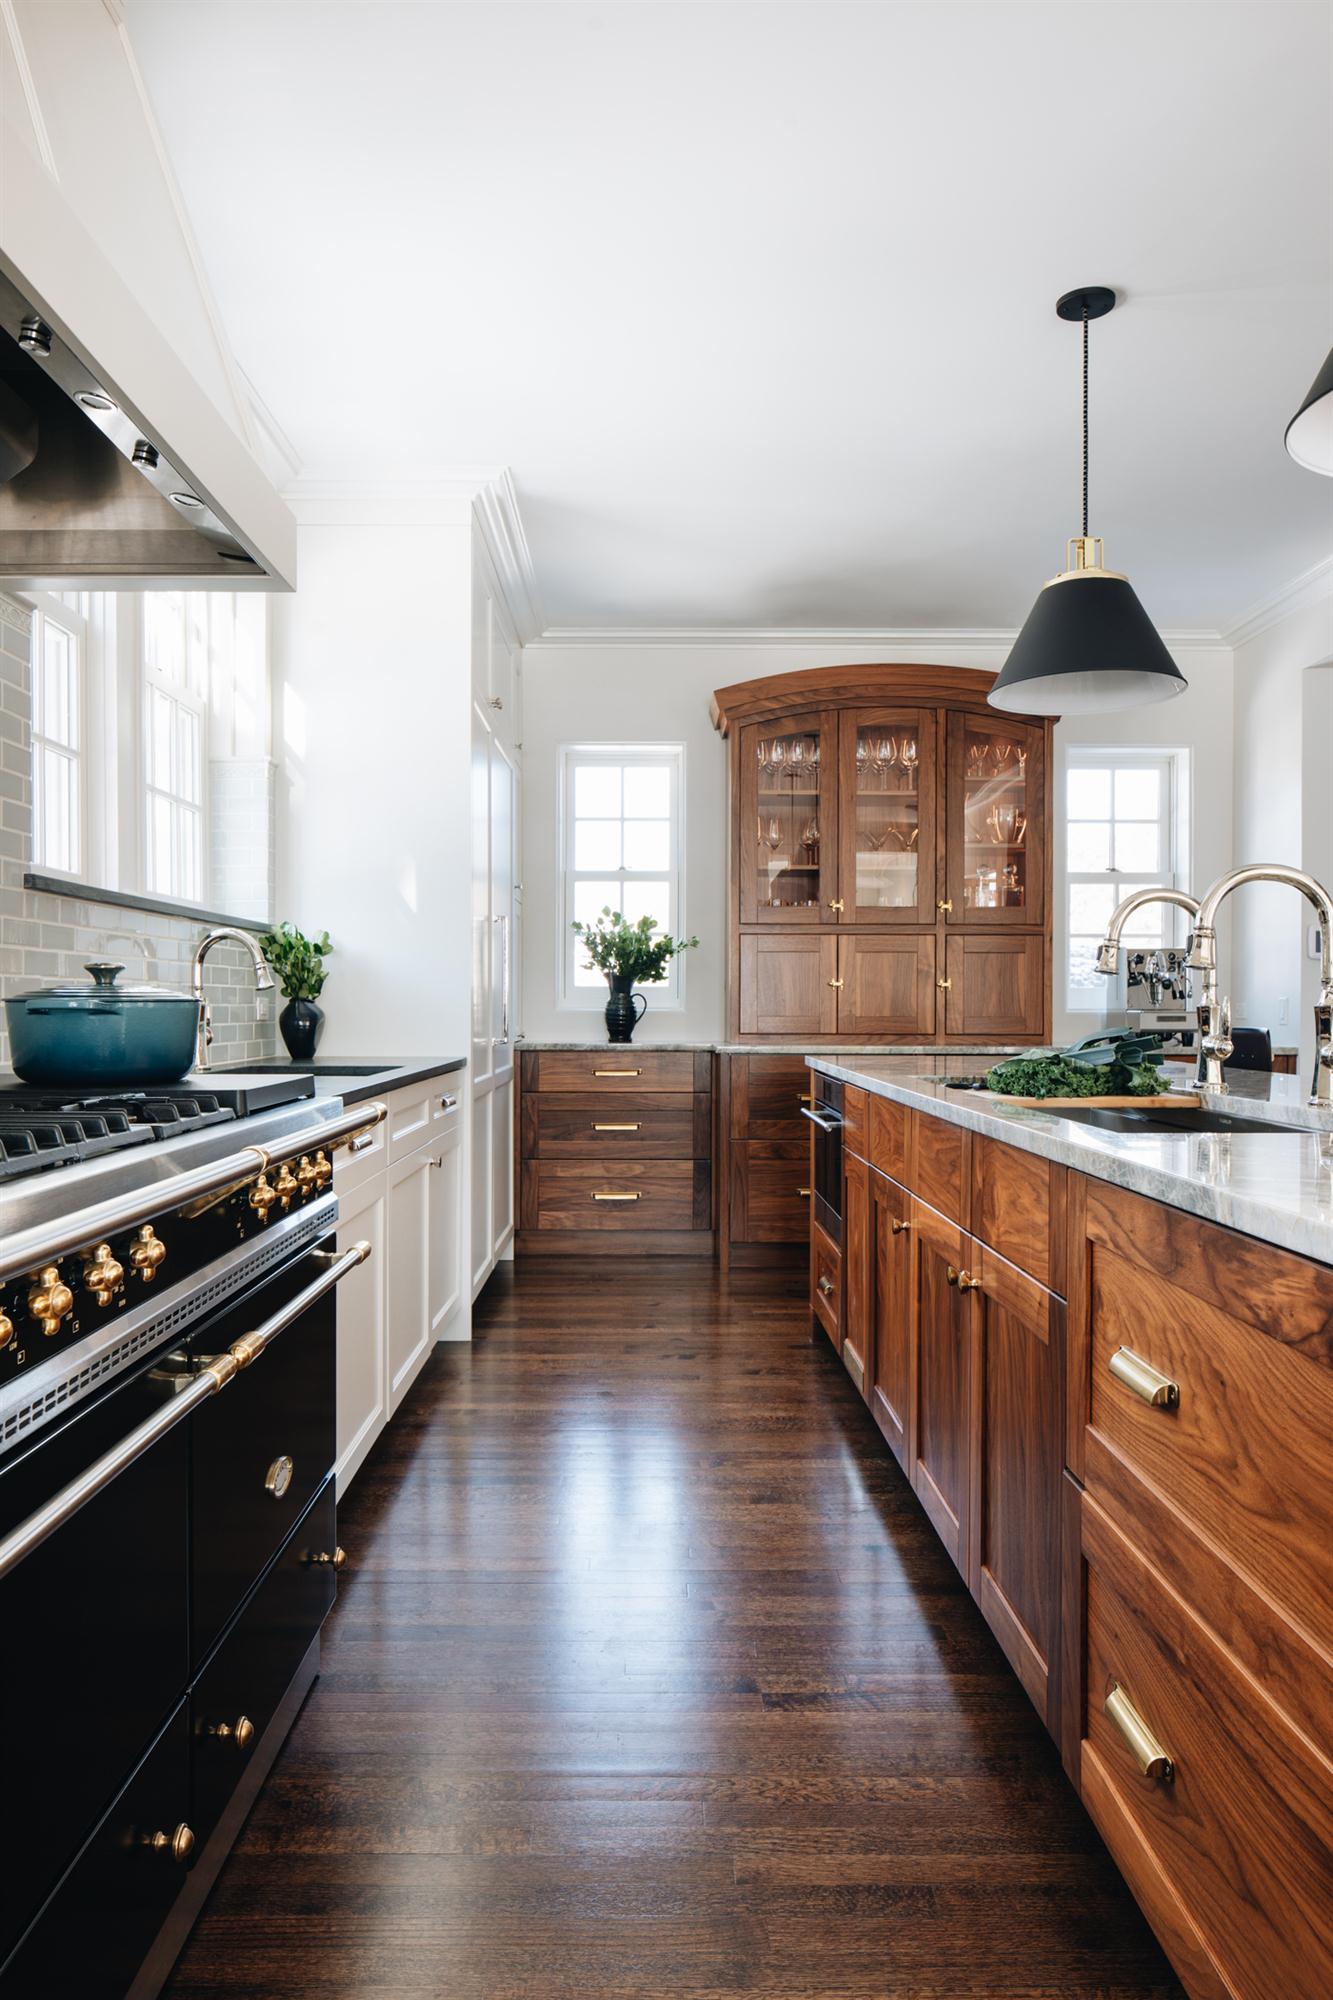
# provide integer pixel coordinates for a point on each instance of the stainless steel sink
(1167, 1118)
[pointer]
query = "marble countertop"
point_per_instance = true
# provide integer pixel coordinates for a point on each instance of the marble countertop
(1277, 1186)
(807, 1048)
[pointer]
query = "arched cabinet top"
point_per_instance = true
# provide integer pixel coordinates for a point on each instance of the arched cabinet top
(844, 687)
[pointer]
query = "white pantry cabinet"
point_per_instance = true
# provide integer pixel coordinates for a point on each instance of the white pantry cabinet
(403, 1192)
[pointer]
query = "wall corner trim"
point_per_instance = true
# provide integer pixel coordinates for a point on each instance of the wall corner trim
(1311, 587)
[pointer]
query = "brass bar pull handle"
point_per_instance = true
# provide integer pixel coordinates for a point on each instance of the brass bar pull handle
(617, 1197)
(897, 1225)
(1144, 1380)
(1143, 1746)
(617, 1128)
(804, 1193)
(826, 1287)
(804, 1097)
(617, 1072)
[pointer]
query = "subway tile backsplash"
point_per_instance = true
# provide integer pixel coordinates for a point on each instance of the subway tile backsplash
(52, 937)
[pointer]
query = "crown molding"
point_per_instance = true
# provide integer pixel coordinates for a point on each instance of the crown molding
(933, 638)
(1311, 587)
(446, 501)
(496, 512)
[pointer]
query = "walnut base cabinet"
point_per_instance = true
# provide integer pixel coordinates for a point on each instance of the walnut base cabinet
(890, 859)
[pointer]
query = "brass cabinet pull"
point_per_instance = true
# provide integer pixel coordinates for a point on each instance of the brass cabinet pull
(177, 1846)
(617, 1197)
(835, 982)
(826, 1286)
(241, 1733)
(617, 1128)
(617, 1072)
(1144, 1380)
(804, 1193)
(963, 1279)
(335, 1558)
(897, 1225)
(804, 1097)
(837, 904)
(1143, 1746)
(945, 906)
(944, 984)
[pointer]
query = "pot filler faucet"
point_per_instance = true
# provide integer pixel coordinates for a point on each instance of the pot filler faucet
(1215, 1021)
(224, 934)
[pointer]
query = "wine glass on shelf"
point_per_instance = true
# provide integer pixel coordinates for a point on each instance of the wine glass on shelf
(907, 753)
(810, 839)
(864, 757)
(796, 760)
(814, 757)
(762, 753)
(886, 758)
(771, 834)
(777, 757)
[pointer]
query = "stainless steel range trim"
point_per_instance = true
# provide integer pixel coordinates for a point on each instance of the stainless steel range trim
(40, 1393)
(60, 1233)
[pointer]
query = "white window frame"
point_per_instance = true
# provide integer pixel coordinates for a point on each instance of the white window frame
(189, 693)
(1174, 821)
(50, 609)
(669, 997)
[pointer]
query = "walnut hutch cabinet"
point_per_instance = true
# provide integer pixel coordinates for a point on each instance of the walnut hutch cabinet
(890, 859)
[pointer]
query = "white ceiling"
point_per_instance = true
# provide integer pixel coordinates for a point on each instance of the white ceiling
(756, 300)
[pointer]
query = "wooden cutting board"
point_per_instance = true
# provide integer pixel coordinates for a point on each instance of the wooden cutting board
(1179, 1100)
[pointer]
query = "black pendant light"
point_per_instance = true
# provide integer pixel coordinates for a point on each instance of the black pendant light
(1088, 644)
(1310, 432)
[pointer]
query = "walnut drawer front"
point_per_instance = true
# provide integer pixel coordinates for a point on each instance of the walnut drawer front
(767, 1093)
(1018, 1209)
(777, 1190)
(612, 1070)
(1232, 1850)
(1210, 1385)
(826, 1284)
(939, 1165)
(650, 1125)
(627, 1195)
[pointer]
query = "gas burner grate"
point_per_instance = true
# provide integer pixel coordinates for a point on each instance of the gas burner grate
(28, 1146)
(48, 1128)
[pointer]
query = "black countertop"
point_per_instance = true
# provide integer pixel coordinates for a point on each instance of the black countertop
(356, 1079)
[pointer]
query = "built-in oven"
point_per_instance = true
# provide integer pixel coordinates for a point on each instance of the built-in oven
(825, 1115)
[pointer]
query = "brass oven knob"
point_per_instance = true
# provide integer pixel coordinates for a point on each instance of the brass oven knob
(335, 1558)
(262, 1197)
(147, 1253)
(6, 1329)
(307, 1174)
(286, 1184)
(50, 1298)
(178, 1845)
(102, 1274)
(241, 1733)
(323, 1169)
(279, 1476)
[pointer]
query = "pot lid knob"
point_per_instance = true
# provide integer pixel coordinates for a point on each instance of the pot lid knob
(104, 972)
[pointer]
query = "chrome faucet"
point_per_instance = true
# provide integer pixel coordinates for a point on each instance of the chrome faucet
(1215, 1020)
(224, 934)
(1108, 956)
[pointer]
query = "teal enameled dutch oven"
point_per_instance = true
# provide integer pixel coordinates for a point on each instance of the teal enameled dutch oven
(102, 1033)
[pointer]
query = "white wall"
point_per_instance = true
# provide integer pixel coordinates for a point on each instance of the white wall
(660, 693)
(1282, 774)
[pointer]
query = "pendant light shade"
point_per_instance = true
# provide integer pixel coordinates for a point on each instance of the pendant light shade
(1310, 432)
(1088, 645)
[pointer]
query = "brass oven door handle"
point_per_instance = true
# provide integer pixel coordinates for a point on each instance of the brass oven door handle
(617, 1197)
(213, 1377)
(1143, 1746)
(1144, 1380)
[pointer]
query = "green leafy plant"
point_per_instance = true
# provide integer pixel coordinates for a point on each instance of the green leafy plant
(297, 960)
(1119, 1064)
(630, 951)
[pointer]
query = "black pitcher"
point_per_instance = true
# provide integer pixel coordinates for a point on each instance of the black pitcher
(621, 1019)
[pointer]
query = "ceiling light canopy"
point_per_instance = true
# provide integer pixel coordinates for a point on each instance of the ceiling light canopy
(1088, 644)
(1310, 432)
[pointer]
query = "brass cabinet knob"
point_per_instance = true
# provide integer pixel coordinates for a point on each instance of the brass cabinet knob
(323, 1169)
(241, 1733)
(6, 1329)
(837, 904)
(262, 1197)
(102, 1274)
(147, 1252)
(835, 982)
(804, 1193)
(335, 1558)
(826, 1287)
(50, 1298)
(897, 1225)
(963, 1279)
(286, 1184)
(177, 1845)
(279, 1476)
(944, 984)
(307, 1174)
(945, 906)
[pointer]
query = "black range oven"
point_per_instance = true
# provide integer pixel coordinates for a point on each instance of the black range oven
(168, 1544)
(825, 1115)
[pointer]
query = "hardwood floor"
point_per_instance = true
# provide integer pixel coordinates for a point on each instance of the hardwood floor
(648, 1680)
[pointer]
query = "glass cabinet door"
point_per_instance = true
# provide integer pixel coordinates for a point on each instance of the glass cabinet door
(788, 820)
(887, 815)
(996, 822)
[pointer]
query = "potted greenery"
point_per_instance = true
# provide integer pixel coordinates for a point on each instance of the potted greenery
(628, 954)
(298, 962)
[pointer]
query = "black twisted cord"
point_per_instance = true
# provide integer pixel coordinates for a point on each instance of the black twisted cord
(1085, 420)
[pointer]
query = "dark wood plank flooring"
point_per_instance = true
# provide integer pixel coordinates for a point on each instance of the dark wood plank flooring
(648, 1680)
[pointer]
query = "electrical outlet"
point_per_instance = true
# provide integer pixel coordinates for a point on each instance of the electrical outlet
(1314, 941)
(1283, 1011)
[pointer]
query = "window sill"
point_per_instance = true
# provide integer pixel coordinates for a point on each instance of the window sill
(130, 899)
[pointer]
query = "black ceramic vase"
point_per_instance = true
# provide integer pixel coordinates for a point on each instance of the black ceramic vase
(621, 1019)
(301, 1022)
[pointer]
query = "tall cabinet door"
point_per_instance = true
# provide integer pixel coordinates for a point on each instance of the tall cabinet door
(995, 822)
(945, 1335)
(886, 818)
(995, 985)
(788, 795)
(858, 1271)
(789, 985)
(503, 827)
(888, 983)
(889, 1362)
(483, 1044)
(408, 1275)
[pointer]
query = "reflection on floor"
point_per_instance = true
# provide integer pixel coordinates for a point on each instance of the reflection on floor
(648, 1680)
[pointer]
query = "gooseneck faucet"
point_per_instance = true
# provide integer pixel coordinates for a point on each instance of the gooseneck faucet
(1108, 955)
(224, 934)
(1215, 1020)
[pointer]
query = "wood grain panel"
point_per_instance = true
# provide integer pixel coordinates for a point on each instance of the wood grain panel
(613, 1069)
(997, 986)
(767, 1093)
(643, 1124)
(890, 1359)
(945, 1339)
(1018, 1209)
(939, 1169)
(888, 984)
(1245, 1829)
(889, 1137)
(855, 1120)
(571, 1195)
(826, 1284)
(858, 1272)
(770, 1200)
(786, 985)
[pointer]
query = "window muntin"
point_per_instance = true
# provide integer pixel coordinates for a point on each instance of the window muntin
(1125, 817)
(175, 658)
(59, 733)
(622, 849)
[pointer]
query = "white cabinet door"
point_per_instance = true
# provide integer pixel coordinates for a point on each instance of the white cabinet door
(362, 1403)
(481, 1178)
(502, 1168)
(408, 1267)
(444, 1247)
(503, 844)
(483, 1033)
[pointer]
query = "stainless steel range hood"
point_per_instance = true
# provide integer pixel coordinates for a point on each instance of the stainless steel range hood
(116, 470)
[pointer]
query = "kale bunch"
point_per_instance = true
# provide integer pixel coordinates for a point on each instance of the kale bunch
(1122, 1064)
